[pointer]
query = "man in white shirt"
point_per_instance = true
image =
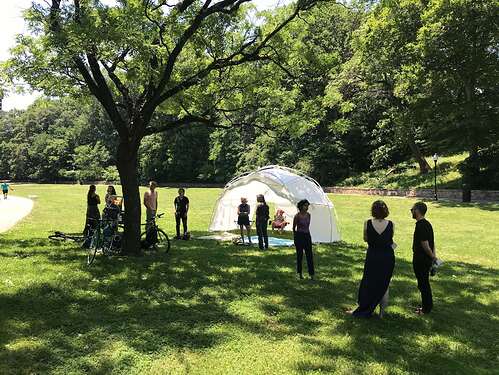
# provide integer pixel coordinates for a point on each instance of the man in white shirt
(151, 201)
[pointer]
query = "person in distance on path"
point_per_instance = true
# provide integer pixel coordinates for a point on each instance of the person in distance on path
(5, 189)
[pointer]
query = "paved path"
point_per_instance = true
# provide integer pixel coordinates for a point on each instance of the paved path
(12, 210)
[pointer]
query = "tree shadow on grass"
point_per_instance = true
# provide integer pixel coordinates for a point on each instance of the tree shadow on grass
(53, 251)
(202, 292)
(459, 336)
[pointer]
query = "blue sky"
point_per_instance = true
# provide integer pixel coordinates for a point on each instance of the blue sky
(12, 24)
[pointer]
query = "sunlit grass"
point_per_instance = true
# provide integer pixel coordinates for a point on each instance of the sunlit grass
(210, 308)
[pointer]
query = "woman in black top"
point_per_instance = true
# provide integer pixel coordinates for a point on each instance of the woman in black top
(243, 215)
(379, 263)
(262, 218)
(302, 239)
(93, 214)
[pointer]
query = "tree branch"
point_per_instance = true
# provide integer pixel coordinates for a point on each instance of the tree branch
(174, 122)
(105, 96)
(206, 10)
(237, 58)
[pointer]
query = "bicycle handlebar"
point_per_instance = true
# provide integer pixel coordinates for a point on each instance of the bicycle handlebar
(101, 220)
(152, 219)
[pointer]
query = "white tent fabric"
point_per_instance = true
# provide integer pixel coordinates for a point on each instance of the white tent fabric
(285, 188)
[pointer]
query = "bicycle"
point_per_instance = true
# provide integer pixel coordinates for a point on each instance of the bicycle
(104, 238)
(61, 236)
(153, 231)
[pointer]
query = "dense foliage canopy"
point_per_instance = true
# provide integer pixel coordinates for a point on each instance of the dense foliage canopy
(343, 89)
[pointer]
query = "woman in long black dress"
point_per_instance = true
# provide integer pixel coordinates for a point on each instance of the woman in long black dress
(93, 214)
(379, 264)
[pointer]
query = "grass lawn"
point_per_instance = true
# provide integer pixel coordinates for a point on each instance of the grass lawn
(210, 308)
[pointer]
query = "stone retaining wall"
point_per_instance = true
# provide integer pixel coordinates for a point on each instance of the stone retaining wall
(443, 194)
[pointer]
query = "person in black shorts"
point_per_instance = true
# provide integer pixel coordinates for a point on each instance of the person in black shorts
(181, 204)
(424, 254)
(243, 219)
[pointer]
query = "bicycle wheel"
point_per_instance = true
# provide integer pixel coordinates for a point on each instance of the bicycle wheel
(75, 238)
(163, 241)
(110, 247)
(92, 249)
(142, 239)
(57, 237)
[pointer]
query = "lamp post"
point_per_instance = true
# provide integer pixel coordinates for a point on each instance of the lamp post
(435, 160)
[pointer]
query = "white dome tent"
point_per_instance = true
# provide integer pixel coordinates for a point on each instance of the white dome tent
(284, 187)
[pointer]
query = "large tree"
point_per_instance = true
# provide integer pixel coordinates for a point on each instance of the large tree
(453, 83)
(141, 57)
(383, 50)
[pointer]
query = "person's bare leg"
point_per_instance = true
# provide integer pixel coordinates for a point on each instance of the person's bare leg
(248, 230)
(242, 233)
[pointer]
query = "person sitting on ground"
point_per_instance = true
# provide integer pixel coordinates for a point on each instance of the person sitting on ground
(181, 204)
(5, 189)
(243, 219)
(93, 213)
(262, 218)
(279, 221)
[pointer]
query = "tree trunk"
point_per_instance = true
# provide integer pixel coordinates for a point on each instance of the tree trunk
(471, 175)
(424, 167)
(127, 168)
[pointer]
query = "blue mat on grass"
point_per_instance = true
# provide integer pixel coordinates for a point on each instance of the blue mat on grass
(274, 241)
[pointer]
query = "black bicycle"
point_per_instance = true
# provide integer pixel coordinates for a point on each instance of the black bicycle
(61, 236)
(104, 238)
(154, 237)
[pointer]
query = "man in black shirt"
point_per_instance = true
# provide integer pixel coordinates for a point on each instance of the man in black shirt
(181, 204)
(424, 255)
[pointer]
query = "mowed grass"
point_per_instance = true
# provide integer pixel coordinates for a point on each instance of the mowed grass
(211, 308)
